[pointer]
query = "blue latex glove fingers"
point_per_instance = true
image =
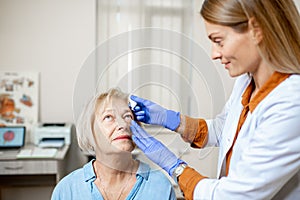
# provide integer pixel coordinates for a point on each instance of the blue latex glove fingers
(154, 149)
(148, 112)
(151, 113)
(140, 115)
(140, 137)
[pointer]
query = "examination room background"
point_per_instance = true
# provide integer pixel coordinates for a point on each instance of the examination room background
(56, 37)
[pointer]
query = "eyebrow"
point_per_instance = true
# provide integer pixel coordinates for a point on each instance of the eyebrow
(107, 110)
(210, 36)
(126, 110)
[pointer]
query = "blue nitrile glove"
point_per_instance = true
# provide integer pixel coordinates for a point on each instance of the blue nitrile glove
(152, 113)
(154, 149)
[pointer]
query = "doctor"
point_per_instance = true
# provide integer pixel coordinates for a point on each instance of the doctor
(258, 131)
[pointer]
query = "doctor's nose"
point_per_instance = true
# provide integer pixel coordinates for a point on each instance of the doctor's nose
(215, 54)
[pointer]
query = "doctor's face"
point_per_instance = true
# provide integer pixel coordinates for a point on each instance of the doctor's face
(113, 120)
(236, 51)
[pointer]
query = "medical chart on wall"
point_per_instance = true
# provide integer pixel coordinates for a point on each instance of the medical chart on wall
(19, 98)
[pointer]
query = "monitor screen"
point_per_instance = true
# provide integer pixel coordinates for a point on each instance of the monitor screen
(12, 136)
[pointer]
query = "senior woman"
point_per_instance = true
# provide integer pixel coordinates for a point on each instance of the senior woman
(103, 130)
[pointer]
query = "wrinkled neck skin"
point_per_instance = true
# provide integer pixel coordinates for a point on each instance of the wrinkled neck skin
(115, 161)
(110, 157)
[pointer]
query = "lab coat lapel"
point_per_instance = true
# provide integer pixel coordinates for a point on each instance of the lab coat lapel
(228, 137)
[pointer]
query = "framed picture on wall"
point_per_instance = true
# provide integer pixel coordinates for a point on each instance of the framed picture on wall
(19, 98)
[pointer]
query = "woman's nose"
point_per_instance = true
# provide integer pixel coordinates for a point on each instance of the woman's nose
(121, 124)
(215, 53)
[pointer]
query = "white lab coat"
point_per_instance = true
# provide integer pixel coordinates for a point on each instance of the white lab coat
(265, 162)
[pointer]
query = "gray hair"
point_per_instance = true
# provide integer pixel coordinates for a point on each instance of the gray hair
(85, 122)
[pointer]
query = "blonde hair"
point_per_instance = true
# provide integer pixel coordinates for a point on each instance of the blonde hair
(279, 21)
(85, 122)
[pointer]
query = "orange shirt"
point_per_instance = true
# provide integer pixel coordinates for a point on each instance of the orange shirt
(190, 178)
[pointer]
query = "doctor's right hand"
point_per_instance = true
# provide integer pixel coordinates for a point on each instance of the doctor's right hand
(151, 113)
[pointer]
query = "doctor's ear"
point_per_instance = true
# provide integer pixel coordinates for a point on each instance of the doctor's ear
(255, 30)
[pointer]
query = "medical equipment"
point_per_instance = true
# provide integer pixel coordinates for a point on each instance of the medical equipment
(132, 104)
(52, 135)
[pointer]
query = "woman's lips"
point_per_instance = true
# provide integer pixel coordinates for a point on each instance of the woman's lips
(227, 66)
(123, 137)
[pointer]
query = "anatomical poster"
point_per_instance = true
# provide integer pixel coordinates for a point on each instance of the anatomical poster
(19, 98)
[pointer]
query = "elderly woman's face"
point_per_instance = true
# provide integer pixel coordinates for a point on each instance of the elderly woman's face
(113, 120)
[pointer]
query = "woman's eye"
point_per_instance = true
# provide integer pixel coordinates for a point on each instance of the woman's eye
(128, 116)
(218, 43)
(108, 118)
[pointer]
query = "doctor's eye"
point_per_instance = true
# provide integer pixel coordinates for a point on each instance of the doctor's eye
(218, 41)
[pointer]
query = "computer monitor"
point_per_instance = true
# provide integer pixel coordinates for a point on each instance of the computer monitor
(12, 137)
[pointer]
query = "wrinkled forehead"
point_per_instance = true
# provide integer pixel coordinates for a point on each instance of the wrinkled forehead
(111, 104)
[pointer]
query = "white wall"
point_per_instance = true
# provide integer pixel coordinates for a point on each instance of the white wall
(52, 37)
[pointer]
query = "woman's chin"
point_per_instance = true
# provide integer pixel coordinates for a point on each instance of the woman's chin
(129, 147)
(234, 74)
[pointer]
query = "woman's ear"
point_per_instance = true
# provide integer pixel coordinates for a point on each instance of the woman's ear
(255, 30)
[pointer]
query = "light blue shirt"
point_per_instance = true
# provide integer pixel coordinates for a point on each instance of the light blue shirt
(150, 184)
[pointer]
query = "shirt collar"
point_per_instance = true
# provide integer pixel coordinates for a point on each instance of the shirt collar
(88, 169)
(89, 174)
(275, 79)
(143, 170)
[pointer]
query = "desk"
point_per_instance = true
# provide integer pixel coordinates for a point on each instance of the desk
(32, 171)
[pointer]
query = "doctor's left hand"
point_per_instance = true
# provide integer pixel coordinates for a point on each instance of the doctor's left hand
(154, 149)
